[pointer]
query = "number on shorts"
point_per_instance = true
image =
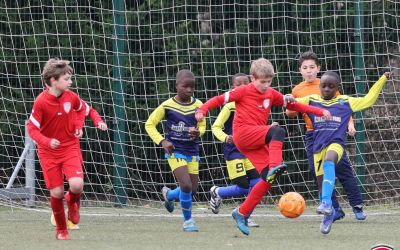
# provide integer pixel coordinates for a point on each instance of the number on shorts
(239, 167)
(319, 165)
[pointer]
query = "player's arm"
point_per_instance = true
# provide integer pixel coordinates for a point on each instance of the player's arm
(95, 117)
(218, 126)
(79, 107)
(350, 127)
(291, 113)
(34, 125)
(202, 127)
(151, 124)
(231, 96)
(367, 101)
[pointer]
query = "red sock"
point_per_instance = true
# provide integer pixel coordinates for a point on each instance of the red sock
(254, 197)
(57, 205)
(275, 153)
(70, 197)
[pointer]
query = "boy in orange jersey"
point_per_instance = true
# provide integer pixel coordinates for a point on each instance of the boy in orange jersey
(309, 67)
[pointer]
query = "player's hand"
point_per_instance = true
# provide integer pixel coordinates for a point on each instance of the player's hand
(229, 139)
(274, 124)
(291, 113)
(326, 114)
(193, 133)
(289, 98)
(199, 116)
(351, 129)
(168, 146)
(388, 75)
(78, 133)
(102, 126)
(54, 143)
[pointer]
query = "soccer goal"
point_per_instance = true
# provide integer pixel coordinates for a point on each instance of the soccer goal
(125, 55)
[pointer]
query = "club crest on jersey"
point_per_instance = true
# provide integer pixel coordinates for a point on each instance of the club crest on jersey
(67, 107)
(266, 103)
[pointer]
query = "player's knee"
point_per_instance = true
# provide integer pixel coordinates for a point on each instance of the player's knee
(275, 133)
(241, 182)
(76, 184)
(186, 186)
(57, 192)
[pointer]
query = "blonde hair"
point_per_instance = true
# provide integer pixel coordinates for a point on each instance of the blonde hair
(55, 68)
(262, 68)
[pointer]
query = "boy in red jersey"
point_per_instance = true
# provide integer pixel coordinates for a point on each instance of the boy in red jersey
(259, 142)
(100, 124)
(56, 125)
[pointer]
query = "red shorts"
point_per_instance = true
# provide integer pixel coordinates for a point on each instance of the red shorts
(250, 140)
(56, 166)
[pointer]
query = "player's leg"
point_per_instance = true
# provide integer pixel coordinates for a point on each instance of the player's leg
(240, 185)
(72, 168)
(54, 180)
(345, 174)
(309, 143)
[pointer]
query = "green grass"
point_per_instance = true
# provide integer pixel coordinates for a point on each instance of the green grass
(27, 229)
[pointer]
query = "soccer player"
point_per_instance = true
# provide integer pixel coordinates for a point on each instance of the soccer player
(309, 67)
(260, 143)
(56, 125)
(100, 124)
(330, 134)
(181, 144)
(241, 171)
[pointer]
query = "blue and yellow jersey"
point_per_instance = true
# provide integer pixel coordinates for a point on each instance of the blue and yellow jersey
(341, 108)
(222, 127)
(179, 118)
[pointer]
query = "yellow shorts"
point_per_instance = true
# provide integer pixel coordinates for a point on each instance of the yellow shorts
(319, 158)
(182, 160)
(238, 167)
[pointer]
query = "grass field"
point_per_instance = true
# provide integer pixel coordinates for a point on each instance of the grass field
(25, 229)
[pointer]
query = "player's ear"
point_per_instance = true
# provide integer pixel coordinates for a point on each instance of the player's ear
(319, 68)
(52, 81)
(252, 78)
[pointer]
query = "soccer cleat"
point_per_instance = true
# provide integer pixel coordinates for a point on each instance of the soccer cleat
(251, 223)
(70, 225)
(275, 172)
(73, 212)
(215, 200)
(359, 213)
(240, 221)
(326, 223)
(190, 226)
(324, 208)
(339, 214)
(169, 205)
(62, 235)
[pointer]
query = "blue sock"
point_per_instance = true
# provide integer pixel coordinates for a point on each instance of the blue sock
(253, 182)
(328, 183)
(173, 195)
(232, 191)
(186, 204)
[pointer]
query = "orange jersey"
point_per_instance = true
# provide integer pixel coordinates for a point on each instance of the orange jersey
(305, 89)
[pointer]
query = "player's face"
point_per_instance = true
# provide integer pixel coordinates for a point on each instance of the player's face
(63, 82)
(262, 83)
(309, 70)
(185, 88)
(328, 86)
(239, 81)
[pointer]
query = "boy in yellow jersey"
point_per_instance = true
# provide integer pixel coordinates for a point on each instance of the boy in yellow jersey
(330, 134)
(309, 68)
(241, 171)
(181, 144)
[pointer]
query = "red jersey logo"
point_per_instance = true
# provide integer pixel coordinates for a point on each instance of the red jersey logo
(266, 103)
(67, 107)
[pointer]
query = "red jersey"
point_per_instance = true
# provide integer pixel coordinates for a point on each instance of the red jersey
(58, 118)
(252, 106)
(92, 114)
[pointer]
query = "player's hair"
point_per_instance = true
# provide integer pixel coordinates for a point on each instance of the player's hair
(308, 55)
(333, 74)
(184, 72)
(262, 68)
(55, 68)
(236, 76)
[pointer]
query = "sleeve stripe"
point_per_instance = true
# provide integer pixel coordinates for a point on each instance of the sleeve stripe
(87, 109)
(80, 105)
(34, 121)
(226, 99)
(284, 101)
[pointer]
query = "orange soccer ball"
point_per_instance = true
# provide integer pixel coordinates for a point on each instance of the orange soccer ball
(291, 205)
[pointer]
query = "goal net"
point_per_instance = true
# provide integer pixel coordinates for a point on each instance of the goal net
(125, 55)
